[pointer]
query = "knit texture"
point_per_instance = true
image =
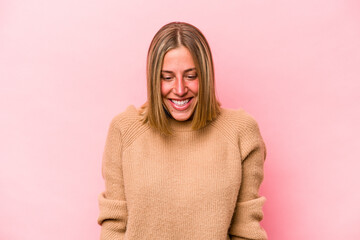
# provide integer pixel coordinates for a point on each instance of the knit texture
(195, 184)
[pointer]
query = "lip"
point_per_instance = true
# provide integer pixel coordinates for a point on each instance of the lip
(179, 99)
(181, 108)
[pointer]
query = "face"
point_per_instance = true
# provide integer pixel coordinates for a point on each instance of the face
(179, 83)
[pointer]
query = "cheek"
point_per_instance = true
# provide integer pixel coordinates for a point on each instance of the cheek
(194, 86)
(165, 88)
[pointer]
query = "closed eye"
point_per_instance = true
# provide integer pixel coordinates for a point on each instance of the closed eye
(167, 78)
(191, 77)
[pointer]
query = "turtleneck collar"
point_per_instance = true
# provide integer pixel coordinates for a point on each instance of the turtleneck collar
(180, 126)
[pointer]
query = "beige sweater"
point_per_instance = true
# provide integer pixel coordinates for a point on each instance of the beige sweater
(193, 185)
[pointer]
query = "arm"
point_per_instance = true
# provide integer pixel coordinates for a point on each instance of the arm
(248, 211)
(112, 202)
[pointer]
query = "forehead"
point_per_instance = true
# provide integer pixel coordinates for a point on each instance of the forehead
(178, 58)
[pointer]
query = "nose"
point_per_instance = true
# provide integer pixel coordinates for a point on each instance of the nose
(180, 87)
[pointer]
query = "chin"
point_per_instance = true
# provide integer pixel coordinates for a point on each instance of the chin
(182, 116)
(181, 119)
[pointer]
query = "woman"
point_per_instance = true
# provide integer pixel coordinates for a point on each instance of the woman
(182, 167)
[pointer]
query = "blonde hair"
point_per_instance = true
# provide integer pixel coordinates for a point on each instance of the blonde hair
(171, 36)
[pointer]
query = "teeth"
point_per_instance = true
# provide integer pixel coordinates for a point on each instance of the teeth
(180, 103)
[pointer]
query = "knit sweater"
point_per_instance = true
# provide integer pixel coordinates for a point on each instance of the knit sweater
(194, 184)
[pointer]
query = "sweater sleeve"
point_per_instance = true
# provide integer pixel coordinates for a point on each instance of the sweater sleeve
(112, 202)
(248, 212)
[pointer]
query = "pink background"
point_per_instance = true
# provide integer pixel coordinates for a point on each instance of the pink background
(67, 67)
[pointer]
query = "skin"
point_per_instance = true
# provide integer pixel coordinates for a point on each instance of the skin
(179, 81)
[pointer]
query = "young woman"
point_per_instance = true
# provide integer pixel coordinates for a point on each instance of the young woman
(181, 167)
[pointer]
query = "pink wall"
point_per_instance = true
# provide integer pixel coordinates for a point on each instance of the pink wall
(67, 67)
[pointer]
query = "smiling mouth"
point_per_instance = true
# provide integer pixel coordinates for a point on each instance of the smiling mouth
(181, 102)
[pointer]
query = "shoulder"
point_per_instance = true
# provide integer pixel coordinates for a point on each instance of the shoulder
(237, 125)
(124, 119)
(237, 120)
(242, 129)
(127, 122)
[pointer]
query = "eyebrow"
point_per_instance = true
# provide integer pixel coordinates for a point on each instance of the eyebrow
(187, 70)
